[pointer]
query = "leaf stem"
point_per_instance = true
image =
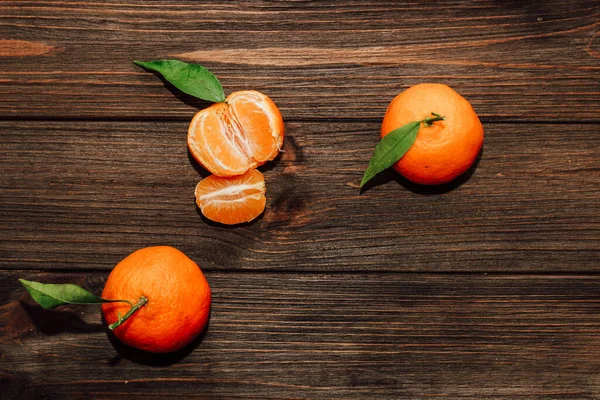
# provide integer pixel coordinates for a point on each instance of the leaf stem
(430, 120)
(141, 302)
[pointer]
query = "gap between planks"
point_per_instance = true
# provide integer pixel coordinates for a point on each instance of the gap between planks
(274, 272)
(333, 119)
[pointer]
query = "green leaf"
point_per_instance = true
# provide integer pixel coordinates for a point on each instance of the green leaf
(192, 79)
(394, 146)
(390, 149)
(50, 296)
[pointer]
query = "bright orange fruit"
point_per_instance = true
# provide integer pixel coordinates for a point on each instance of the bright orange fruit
(232, 200)
(178, 299)
(230, 138)
(444, 150)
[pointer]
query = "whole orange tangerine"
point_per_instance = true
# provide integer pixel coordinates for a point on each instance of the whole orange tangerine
(445, 149)
(178, 299)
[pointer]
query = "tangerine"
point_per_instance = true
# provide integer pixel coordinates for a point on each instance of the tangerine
(233, 137)
(178, 299)
(232, 200)
(445, 149)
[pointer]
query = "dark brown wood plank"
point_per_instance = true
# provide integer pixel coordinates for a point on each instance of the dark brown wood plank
(304, 336)
(341, 59)
(84, 194)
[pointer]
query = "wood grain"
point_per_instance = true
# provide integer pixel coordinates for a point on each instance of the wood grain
(486, 288)
(513, 60)
(79, 195)
(22, 48)
(305, 336)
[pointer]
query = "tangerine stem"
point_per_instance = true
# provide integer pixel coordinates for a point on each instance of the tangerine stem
(430, 120)
(141, 302)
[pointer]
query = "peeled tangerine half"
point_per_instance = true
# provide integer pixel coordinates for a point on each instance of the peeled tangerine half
(232, 200)
(233, 137)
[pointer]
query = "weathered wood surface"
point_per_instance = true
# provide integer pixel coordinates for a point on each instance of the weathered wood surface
(343, 59)
(80, 195)
(485, 288)
(305, 336)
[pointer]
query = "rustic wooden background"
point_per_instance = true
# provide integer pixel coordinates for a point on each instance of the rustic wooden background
(488, 287)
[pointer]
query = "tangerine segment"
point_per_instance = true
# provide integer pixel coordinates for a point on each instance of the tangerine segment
(232, 200)
(243, 133)
(215, 143)
(444, 150)
(257, 116)
(178, 299)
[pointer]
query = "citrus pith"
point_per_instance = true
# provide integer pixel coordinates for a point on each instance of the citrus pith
(232, 200)
(240, 134)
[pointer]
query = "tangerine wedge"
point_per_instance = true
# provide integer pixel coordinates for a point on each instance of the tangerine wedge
(240, 134)
(232, 200)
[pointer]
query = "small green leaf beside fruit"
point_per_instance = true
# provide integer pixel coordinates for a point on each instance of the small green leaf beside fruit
(192, 79)
(51, 296)
(393, 146)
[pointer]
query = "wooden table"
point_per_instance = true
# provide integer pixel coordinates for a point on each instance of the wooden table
(488, 287)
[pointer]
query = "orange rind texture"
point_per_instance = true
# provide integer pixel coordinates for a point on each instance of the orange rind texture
(444, 150)
(178, 296)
